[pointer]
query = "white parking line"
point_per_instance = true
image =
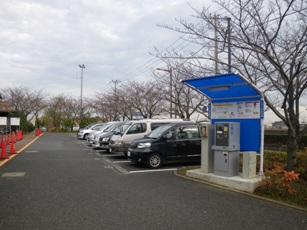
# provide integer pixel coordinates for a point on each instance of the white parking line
(153, 170)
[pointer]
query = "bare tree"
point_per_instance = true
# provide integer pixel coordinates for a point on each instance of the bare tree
(185, 102)
(145, 98)
(28, 103)
(268, 46)
(70, 112)
(103, 105)
(54, 111)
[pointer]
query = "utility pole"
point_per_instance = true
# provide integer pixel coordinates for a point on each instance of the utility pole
(116, 97)
(229, 48)
(115, 83)
(170, 71)
(216, 43)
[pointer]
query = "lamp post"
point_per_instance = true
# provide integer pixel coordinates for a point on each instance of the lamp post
(82, 67)
(81, 102)
(170, 71)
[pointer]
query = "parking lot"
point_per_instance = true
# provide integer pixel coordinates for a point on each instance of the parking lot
(120, 162)
(59, 182)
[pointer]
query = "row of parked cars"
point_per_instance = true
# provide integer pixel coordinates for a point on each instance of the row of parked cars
(148, 141)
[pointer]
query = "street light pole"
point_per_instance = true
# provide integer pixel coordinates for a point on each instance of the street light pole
(170, 71)
(82, 67)
(81, 102)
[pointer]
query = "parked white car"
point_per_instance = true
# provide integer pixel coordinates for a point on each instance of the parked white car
(92, 135)
(83, 133)
(101, 141)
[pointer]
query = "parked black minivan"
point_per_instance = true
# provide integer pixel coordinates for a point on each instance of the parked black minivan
(169, 143)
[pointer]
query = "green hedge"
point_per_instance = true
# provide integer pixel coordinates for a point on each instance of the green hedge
(279, 158)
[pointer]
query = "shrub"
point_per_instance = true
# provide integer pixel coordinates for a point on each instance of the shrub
(302, 163)
(277, 182)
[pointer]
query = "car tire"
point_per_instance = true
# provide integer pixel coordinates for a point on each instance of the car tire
(154, 160)
(85, 136)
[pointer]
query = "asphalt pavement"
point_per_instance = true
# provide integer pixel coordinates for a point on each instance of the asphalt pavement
(56, 182)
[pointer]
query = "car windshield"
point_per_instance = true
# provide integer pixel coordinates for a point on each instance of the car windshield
(99, 127)
(158, 131)
(122, 128)
(110, 127)
(89, 126)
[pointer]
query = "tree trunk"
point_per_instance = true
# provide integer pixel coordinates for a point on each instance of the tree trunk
(291, 161)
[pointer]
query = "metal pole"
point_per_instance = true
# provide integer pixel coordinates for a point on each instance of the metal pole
(215, 45)
(229, 48)
(82, 67)
(171, 91)
(170, 71)
(116, 97)
(81, 102)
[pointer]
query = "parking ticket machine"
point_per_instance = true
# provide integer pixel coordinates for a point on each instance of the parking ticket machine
(226, 148)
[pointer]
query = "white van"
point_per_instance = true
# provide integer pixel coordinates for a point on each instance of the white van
(133, 130)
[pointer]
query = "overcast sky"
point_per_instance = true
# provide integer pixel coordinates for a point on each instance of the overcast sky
(43, 42)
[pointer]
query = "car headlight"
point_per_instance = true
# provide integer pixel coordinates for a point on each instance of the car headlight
(143, 145)
(106, 139)
(118, 142)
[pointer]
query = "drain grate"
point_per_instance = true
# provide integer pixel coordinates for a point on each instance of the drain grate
(14, 174)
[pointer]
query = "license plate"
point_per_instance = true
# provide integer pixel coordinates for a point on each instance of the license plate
(128, 153)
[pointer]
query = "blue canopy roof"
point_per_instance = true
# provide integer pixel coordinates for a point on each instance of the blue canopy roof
(228, 86)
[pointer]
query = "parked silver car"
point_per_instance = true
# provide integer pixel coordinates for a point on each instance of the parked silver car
(92, 135)
(83, 133)
(102, 141)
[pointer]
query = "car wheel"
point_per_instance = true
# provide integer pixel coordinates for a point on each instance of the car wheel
(154, 160)
(85, 136)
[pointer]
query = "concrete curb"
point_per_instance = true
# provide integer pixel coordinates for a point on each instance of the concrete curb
(241, 192)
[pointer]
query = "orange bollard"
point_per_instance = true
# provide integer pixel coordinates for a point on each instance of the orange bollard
(12, 149)
(3, 151)
(36, 132)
